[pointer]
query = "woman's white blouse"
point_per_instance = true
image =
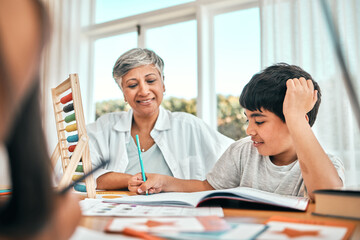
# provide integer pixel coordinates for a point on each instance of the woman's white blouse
(189, 146)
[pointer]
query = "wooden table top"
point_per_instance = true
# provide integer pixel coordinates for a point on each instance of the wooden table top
(234, 215)
(240, 215)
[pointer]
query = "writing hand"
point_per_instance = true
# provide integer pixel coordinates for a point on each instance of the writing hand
(154, 183)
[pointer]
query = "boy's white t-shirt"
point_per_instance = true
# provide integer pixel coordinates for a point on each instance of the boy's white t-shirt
(241, 165)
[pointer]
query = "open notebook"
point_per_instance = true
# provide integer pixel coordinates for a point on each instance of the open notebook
(240, 197)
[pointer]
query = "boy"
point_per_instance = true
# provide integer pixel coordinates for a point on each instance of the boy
(281, 154)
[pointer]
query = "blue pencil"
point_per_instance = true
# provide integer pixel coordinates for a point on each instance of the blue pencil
(140, 159)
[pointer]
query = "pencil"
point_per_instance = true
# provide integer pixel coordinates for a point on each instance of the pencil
(63, 191)
(5, 192)
(140, 234)
(140, 159)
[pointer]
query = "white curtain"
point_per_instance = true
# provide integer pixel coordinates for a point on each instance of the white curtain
(295, 32)
(61, 56)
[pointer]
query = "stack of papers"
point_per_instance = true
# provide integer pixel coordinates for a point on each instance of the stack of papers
(98, 207)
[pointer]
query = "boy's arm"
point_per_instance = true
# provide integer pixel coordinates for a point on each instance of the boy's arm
(156, 183)
(317, 169)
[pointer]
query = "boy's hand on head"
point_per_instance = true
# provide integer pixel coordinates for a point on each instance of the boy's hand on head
(299, 99)
(154, 183)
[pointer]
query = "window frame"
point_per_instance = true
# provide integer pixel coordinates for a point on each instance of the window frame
(203, 11)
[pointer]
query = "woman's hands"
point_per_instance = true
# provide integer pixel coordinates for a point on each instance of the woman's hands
(155, 183)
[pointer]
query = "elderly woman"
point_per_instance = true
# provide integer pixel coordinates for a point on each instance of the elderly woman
(172, 143)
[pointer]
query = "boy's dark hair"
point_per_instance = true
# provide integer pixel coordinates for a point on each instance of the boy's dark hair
(266, 90)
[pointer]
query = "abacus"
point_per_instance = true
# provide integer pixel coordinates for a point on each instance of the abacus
(71, 132)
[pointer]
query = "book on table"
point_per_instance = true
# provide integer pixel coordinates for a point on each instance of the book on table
(337, 203)
(240, 197)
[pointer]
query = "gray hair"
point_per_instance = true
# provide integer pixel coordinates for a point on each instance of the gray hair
(134, 58)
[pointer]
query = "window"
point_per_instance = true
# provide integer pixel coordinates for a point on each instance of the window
(106, 52)
(172, 32)
(107, 10)
(237, 58)
(176, 45)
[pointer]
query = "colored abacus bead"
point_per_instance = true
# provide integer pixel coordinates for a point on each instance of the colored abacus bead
(71, 128)
(70, 118)
(80, 158)
(68, 108)
(76, 177)
(79, 168)
(66, 98)
(71, 148)
(80, 187)
(73, 138)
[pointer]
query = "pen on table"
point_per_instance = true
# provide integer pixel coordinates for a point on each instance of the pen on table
(140, 159)
(140, 234)
(83, 177)
(5, 192)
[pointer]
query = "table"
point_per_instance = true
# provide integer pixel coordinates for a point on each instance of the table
(239, 215)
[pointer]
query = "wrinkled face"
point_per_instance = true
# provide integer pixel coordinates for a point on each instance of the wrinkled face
(20, 32)
(270, 135)
(143, 89)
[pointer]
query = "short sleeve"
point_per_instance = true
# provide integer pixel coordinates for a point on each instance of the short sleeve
(226, 172)
(339, 166)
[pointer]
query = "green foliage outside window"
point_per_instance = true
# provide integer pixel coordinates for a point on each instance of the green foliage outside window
(231, 118)
(110, 106)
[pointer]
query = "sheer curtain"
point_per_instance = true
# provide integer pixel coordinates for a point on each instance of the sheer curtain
(295, 32)
(61, 56)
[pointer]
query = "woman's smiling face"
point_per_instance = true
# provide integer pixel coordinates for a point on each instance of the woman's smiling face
(143, 89)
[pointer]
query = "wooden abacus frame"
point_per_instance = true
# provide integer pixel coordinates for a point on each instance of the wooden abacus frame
(81, 150)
